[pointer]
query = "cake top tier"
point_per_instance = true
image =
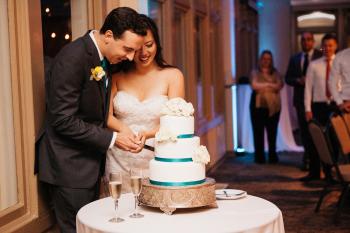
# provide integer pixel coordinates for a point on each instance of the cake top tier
(177, 107)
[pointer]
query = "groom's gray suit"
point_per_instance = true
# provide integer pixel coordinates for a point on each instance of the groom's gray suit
(72, 149)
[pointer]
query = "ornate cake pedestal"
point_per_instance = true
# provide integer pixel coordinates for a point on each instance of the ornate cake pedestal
(168, 199)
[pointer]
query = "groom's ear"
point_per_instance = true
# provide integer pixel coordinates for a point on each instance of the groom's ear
(109, 35)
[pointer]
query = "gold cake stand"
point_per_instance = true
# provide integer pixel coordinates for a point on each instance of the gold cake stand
(168, 199)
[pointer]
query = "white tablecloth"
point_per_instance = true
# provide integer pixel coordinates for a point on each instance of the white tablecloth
(249, 215)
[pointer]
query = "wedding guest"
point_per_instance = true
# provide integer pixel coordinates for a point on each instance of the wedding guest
(72, 150)
(139, 91)
(319, 102)
(341, 74)
(295, 77)
(265, 106)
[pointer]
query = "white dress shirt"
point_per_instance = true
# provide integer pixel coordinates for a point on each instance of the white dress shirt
(340, 75)
(91, 34)
(315, 83)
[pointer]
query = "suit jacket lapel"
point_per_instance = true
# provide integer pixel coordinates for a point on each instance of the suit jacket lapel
(299, 65)
(95, 61)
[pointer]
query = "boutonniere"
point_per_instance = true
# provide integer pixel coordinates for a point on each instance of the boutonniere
(97, 73)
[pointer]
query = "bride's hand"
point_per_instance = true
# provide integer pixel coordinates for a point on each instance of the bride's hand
(140, 139)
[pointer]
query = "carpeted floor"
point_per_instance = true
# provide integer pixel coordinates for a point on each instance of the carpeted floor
(279, 184)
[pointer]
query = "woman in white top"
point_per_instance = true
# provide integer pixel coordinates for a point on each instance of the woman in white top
(139, 91)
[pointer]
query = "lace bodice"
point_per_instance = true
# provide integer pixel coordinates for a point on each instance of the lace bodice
(138, 116)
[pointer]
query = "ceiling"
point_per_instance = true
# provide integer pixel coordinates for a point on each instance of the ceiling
(316, 2)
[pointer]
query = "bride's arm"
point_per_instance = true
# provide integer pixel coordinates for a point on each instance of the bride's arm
(112, 122)
(176, 86)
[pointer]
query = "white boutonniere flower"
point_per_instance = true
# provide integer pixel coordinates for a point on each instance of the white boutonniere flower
(201, 155)
(97, 73)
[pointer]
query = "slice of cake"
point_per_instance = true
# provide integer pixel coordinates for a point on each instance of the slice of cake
(179, 158)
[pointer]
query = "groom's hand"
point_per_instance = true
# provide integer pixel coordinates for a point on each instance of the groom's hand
(126, 142)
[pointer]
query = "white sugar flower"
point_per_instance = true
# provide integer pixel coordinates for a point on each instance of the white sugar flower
(201, 155)
(177, 107)
(164, 134)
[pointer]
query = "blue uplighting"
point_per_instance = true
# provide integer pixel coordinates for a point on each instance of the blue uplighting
(234, 117)
(233, 72)
(240, 150)
(259, 4)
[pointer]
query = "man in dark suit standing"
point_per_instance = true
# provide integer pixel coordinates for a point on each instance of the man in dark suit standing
(72, 148)
(295, 77)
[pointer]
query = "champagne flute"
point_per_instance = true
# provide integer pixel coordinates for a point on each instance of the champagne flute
(115, 189)
(136, 186)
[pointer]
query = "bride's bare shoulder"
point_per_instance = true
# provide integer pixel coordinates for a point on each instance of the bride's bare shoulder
(173, 74)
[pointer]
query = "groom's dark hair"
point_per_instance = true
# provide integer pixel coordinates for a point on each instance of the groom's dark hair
(122, 19)
(127, 65)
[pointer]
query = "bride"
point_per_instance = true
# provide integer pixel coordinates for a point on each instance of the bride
(139, 91)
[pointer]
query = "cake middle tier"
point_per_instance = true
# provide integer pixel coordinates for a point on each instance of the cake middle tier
(182, 148)
(176, 173)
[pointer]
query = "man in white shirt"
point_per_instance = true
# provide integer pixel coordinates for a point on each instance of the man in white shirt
(340, 73)
(318, 100)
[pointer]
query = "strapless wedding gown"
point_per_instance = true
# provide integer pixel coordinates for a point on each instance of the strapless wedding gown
(138, 116)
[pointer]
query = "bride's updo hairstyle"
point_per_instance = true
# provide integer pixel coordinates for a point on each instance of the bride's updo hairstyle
(127, 65)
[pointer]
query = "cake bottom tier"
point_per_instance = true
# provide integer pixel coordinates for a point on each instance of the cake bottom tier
(176, 173)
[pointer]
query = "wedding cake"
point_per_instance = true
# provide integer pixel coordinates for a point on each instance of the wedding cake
(179, 158)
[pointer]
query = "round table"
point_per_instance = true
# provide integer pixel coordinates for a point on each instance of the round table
(249, 214)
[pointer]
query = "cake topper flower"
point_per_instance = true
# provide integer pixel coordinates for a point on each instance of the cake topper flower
(177, 107)
(201, 155)
(164, 135)
(97, 73)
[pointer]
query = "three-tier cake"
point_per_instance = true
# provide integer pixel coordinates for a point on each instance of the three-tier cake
(179, 159)
(177, 173)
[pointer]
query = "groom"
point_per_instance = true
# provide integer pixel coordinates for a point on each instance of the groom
(75, 140)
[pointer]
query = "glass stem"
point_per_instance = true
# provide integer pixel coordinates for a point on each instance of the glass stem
(136, 202)
(116, 208)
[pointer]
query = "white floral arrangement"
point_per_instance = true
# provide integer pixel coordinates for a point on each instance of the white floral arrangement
(201, 155)
(177, 107)
(164, 134)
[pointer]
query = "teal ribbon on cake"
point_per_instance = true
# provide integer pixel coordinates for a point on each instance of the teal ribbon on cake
(185, 136)
(187, 183)
(172, 160)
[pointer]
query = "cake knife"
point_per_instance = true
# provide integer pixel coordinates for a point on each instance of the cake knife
(151, 148)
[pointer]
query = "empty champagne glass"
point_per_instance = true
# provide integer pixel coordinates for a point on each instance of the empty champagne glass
(136, 186)
(115, 189)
